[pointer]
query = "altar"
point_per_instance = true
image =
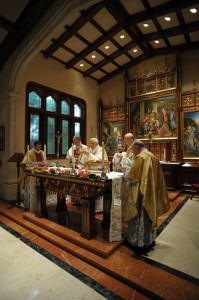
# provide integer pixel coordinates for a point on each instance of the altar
(89, 189)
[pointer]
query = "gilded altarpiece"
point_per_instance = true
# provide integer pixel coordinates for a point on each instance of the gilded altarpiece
(153, 115)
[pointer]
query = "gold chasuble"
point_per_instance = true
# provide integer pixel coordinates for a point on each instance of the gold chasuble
(147, 181)
(30, 157)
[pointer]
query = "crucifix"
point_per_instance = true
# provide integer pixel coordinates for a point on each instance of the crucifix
(58, 136)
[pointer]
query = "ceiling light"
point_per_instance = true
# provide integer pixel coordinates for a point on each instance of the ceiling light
(193, 10)
(106, 47)
(157, 42)
(146, 25)
(81, 65)
(122, 36)
(167, 19)
(93, 56)
(135, 50)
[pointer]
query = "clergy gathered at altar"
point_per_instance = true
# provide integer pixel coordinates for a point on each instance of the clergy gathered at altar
(137, 196)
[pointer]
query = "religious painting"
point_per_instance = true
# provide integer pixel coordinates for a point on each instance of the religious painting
(113, 133)
(2, 137)
(154, 118)
(191, 135)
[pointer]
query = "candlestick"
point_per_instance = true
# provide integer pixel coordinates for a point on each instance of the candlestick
(28, 152)
(164, 154)
(73, 157)
(102, 152)
(44, 152)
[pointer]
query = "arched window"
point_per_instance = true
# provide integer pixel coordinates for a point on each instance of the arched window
(51, 104)
(49, 112)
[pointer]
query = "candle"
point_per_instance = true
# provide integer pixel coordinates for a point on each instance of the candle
(73, 158)
(164, 154)
(102, 152)
(44, 152)
(28, 152)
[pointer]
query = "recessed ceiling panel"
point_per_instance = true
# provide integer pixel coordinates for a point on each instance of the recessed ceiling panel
(94, 57)
(122, 60)
(135, 8)
(147, 29)
(176, 40)
(82, 66)
(98, 74)
(190, 17)
(109, 67)
(63, 55)
(154, 3)
(122, 38)
(108, 51)
(105, 19)
(194, 36)
(135, 52)
(168, 24)
(75, 44)
(12, 11)
(160, 44)
(89, 32)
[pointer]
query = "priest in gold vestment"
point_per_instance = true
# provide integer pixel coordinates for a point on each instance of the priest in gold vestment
(32, 156)
(147, 199)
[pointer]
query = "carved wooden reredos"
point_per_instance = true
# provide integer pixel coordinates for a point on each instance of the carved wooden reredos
(153, 111)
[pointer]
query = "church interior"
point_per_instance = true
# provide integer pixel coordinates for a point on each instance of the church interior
(98, 69)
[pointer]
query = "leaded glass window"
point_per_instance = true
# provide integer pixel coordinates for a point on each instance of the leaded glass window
(65, 108)
(50, 111)
(77, 111)
(34, 129)
(77, 128)
(50, 135)
(34, 100)
(51, 104)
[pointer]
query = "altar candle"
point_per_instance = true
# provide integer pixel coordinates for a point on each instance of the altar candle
(28, 151)
(44, 152)
(164, 153)
(73, 153)
(102, 152)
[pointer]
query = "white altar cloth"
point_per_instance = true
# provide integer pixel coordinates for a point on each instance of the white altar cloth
(118, 186)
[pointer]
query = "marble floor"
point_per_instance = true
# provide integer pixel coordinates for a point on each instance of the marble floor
(29, 254)
(177, 246)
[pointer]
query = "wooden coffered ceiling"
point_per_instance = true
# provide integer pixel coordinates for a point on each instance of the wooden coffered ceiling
(108, 37)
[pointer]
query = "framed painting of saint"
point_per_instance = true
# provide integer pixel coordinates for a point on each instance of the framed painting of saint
(112, 134)
(191, 135)
(156, 117)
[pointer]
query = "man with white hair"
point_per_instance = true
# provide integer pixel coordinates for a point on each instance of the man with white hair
(95, 151)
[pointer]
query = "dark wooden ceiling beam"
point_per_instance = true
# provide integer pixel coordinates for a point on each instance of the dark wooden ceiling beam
(122, 17)
(101, 40)
(182, 24)
(157, 52)
(161, 10)
(123, 68)
(76, 26)
(6, 24)
(24, 24)
(187, 28)
(116, 54)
